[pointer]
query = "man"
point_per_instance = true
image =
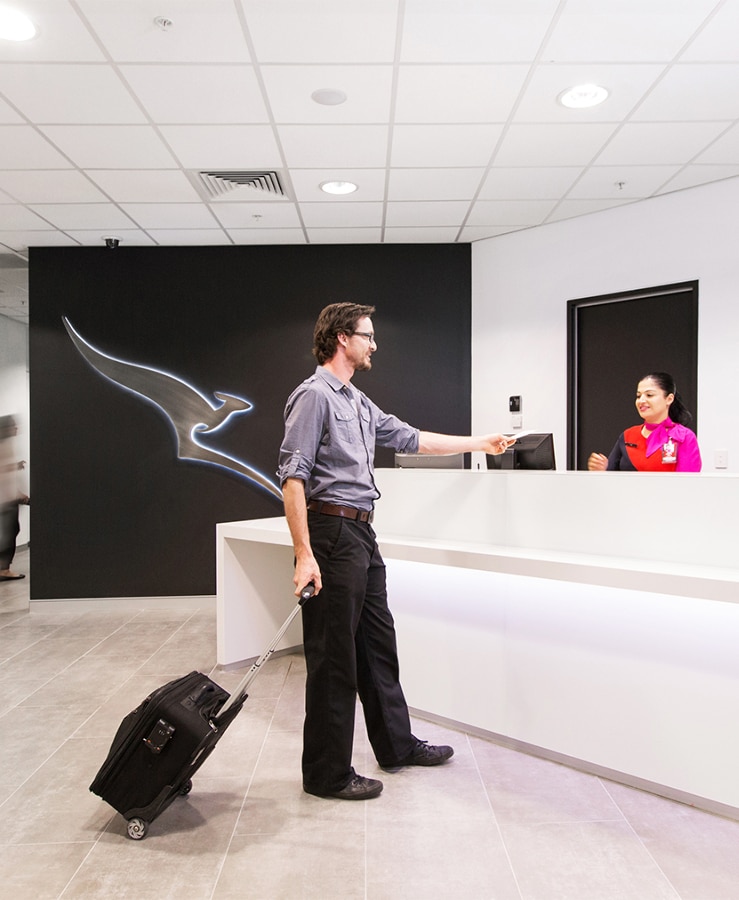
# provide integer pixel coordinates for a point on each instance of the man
(327, 477)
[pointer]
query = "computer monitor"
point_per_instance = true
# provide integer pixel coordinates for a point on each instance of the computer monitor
(531, 451)
(429, 461)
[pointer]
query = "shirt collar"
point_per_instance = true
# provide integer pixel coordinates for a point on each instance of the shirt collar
(336, 383)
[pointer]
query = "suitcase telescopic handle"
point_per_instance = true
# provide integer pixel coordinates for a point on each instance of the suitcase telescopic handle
(240, 692)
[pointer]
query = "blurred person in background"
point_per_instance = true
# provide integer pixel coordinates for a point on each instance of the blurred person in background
(11, 496)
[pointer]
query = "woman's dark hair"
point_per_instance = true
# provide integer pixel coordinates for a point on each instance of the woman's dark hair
(678, 411)
(333, 320)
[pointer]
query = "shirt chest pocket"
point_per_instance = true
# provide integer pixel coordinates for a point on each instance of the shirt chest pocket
(345, 427)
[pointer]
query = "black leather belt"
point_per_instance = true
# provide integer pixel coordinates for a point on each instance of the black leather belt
(346, 512)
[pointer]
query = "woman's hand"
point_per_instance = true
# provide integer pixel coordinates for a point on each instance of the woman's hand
(597, 462)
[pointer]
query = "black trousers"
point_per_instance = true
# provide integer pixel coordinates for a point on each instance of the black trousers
(9, 528)
(350, 649)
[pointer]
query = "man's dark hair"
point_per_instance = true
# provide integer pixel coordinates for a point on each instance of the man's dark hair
(336, 319)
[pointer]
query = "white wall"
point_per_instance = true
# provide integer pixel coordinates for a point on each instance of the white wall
(521, 283)
(14, 395)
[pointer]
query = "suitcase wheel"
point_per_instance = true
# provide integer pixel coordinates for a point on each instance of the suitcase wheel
(137, 829)
(186, 787)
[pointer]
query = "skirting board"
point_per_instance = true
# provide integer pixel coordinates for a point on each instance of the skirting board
(206, 601)
(580, 765)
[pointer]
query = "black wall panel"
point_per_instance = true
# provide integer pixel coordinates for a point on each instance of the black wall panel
(115, 512)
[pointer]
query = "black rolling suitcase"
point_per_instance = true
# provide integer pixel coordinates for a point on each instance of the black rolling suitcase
(162, 743)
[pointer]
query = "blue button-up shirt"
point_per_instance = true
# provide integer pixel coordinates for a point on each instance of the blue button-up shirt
(331, 430)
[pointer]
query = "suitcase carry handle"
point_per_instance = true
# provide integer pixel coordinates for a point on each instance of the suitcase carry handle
(240, 691)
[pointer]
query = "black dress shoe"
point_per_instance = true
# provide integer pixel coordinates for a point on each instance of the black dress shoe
(425, 754)
(359, 788)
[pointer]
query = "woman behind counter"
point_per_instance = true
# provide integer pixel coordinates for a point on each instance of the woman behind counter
(663, 443)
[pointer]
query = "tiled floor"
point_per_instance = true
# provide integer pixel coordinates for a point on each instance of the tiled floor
(492, 823)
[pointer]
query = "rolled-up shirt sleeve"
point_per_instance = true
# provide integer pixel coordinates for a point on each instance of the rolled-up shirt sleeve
(303, 426)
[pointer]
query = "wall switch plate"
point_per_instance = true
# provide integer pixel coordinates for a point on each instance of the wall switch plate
(720, 459)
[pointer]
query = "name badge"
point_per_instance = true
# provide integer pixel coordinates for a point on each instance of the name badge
(669, 452)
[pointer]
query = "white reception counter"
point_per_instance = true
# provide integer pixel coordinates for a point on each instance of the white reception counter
(587, 617)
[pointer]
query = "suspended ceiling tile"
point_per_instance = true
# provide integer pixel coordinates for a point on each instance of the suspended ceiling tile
(142, 186)
(626, 86)
(188, 237)
(482, 232)
(533, 183)
(510, 212)
(434, 184)
(129, 237)
(624, 31)
(61, 35)
(8, 116)
(170, 215)
(456, 93)
(692, 176)
(111, 146)
(340, 146)
(724, 150)
(200, 32)
(368, 92)
(569, 209)
(429, 212)
(552, 145)
(20, 240)
(667, 143)
(345, 235)
(323, 31)
(307, 183)
(13, 215)
(204, 94)
(694, 92)
(474, 30)
(420, 146)
(621, 182)
(71, 216)
(425, 235)
(51, 94)
(50, 186)
(22, 147)
(717, 40)
(256, 214)
(223, 146)
(267, 236)
(346, 215)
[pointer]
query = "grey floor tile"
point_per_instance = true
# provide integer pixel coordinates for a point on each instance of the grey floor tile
(309, 865)
(40, 871)
(583, 861)
(697, 851)
(492, 824)
(438, 858)
(524, 789)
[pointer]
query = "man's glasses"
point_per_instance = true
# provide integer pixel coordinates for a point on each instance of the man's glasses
(366, 334)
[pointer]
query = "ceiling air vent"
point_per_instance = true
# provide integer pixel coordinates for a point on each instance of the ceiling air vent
(234, 185)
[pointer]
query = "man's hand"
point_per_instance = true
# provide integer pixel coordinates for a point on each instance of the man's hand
(496, 444)
(306, 570)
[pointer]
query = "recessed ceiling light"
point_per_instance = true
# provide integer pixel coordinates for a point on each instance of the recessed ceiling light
(338, 187)
(15, 25)
(328, 96)
(583, 96)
